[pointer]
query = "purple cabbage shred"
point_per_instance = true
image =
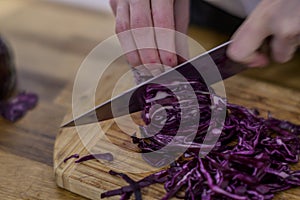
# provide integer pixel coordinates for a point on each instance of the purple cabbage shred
(251, 160)
(70, 157)
(15, 108)
(101, 156)
(136, 189)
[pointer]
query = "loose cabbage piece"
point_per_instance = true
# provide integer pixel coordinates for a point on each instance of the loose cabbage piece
(17, 107)
(101, 156)
(71, 156)
(136, 189)
(250, 160)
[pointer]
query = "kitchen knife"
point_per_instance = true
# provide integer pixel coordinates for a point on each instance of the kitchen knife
(199, 67)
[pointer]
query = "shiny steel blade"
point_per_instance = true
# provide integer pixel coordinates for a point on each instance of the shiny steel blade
(189, 70)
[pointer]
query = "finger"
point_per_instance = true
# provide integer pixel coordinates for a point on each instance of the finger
(163, 17)
(113, 5)
(247, 40)
(125, 37)
(182, 9)
(143, 34)
(257, 59)
(283, 48)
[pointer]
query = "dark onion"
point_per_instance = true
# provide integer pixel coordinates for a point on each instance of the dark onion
(12, 108)
(7, 71)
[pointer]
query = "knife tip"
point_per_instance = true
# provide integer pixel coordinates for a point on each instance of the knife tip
(68, 124)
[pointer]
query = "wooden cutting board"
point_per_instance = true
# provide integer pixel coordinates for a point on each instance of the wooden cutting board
(91, 178)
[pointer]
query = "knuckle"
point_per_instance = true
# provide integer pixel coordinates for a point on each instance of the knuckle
(250, 28)
(134, 3)
(161, 21)
(287, 34)
(140, 21)
(287, 30)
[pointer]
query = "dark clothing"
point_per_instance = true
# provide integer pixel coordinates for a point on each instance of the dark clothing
(209, 16)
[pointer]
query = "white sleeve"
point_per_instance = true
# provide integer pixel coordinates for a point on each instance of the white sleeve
(240, 8)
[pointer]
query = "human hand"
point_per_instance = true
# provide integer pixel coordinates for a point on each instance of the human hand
(131, 15)
(277, 18)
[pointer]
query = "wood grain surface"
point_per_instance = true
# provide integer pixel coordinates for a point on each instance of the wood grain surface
(49, 42)
(91, 178)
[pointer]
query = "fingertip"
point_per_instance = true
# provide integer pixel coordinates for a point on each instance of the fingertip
(133, 58)
(254, 59)
(168, 59)
(149, 56)
(282, 58)
(258, 63)
(150, 59)
(283, 49)
(234, 52)
(247, 40)
(258, 60)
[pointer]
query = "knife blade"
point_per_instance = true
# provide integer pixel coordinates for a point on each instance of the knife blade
(190, 69)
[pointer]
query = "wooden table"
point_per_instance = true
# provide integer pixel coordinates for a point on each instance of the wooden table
(50, 41)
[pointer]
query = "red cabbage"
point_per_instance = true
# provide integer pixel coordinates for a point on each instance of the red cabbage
(101, 156)
(133, 184)
(251, 159)
(16, 108)
(71, 156)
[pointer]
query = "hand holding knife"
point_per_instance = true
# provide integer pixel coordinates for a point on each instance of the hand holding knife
(189, 69)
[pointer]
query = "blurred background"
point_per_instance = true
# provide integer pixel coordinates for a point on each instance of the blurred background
(61, 32)
(102, 5)
(51, 38)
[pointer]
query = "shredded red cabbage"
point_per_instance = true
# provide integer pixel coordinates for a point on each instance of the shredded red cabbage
(71, 156)
(133, 184)
(18, 106)
(251, 159)
(101, 156)
(8, 77)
